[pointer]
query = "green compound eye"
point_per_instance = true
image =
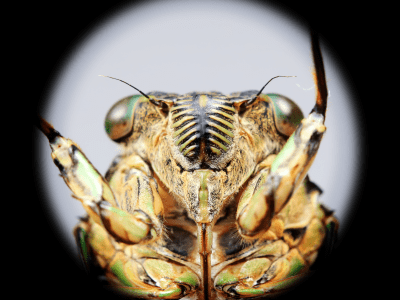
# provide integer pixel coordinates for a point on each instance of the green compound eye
(287, 114)
(119, 120)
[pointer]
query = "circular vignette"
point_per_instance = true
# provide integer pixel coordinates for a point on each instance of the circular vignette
(81, 30)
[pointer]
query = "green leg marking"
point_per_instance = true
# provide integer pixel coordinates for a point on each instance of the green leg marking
(118, 269)
(81, 240)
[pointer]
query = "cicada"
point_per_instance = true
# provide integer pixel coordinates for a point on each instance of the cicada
(210, 197)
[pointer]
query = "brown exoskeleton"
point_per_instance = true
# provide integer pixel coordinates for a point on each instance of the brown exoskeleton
(210, 198)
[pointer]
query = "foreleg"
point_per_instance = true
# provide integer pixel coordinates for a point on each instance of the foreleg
(95, 194)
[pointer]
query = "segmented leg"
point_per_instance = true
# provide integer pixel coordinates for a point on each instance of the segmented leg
(136, 191)
(261, 276)
(279, 265)
(281, 180)
(96, 196)
(116, 223)
(135, 270)
(267, 210)
(278, 180)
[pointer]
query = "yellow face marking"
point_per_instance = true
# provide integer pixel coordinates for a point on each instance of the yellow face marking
(218, 144)
(222, 129)
(215, 150)
(222, 121)
(179, 107)
(226, 107)
(178, 132)
(203, 100)
(219, 136)
(182, 112)
(181, 121)
(223, 113)
(185, 136)
(187, 143)
(188, 150)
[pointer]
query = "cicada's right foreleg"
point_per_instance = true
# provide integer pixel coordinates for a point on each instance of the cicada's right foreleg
(95, 194)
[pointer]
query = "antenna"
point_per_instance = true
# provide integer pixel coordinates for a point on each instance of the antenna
(127, 84)
(259, 93)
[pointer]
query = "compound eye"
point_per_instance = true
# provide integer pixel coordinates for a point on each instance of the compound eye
(287, 114)
(119, 120)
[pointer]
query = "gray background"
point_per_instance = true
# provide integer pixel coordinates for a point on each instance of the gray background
(177, 46)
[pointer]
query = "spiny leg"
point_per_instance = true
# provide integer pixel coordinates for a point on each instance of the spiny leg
(96, 196)
(319, 77)
(289, 168)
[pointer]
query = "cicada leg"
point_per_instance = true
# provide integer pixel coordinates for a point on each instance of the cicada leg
(300, 232)
(275, 185)
(96, 196)
(261, 276)
(134, 270)
(280, 203)
(114, 235)
(280, 176)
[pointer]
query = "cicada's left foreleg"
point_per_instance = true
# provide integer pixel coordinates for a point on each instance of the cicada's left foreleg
(281, 178)
(293, 162)
(276, 183)
(89, 187)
